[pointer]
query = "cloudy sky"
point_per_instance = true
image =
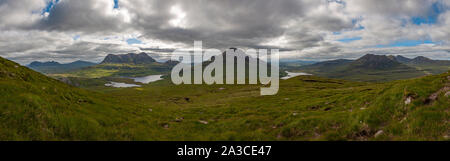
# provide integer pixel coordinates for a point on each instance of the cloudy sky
(68, 30)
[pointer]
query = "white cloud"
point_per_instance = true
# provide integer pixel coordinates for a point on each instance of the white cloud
(20, 13)
(301, 28)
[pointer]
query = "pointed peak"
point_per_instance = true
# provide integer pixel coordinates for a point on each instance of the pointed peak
(421, 58)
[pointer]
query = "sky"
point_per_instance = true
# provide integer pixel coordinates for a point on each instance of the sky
(69, 30)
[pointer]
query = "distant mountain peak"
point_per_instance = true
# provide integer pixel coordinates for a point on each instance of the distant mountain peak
(334, 62)
(48, 63)
(171, 62)
(402, 59)
(130, 58)
(237, 52)
(373, 57)
(399, 58)
(421, 60)
(371, 61)
(51, 67)
(233, 49)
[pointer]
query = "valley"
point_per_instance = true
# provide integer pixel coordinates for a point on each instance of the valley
(307, 107)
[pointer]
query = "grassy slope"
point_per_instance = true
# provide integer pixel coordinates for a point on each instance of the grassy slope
(306, 108)
(35, 107)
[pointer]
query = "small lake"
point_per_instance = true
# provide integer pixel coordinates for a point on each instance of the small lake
(148, 79)
(292, 74)
(145, 80)
(120, 85)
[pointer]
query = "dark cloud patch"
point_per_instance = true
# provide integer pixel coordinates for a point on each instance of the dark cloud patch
(85, 16)
(158, 50)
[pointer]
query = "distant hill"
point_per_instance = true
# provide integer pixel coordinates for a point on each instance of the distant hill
(375, 62)
(125, 65)
(237, 51)
(171, 63)
(290, 65)
(325, 66)
(428, 65)
(337, 62)
(241, 53)
(421, 60)
(370, 67)
(399, 58)
(131, 58)
(41, 64)
(53, 67)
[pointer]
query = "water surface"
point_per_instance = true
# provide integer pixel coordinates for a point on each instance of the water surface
(121, 85)
(148, 79)
(292, 74)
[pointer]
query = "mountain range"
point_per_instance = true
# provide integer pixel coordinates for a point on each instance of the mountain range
(370, 67)
(419, 60)
(376, 68)
(125, 65)
(53, 67)
(399, 58)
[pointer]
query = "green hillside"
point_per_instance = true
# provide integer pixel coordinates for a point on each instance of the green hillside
(36, 107)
